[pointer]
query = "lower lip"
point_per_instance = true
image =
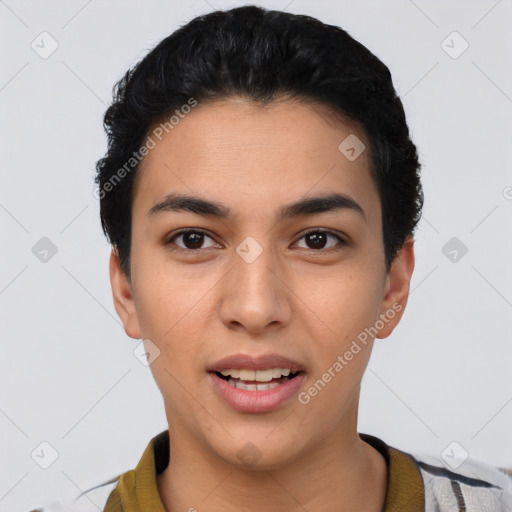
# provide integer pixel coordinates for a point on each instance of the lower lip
(256, 401)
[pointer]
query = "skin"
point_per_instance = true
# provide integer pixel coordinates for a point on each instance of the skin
(295, 299)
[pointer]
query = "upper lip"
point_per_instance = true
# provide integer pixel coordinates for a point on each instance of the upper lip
(261, 362)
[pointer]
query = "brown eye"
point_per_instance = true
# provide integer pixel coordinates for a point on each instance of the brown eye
(317, 239)
(192, 239)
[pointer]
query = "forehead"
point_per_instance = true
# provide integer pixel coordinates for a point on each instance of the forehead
(245, 156)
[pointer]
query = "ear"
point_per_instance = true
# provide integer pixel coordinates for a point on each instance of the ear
(396, 290)
(123, 298)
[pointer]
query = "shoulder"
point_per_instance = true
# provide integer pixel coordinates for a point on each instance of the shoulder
(470, 485)
(91, 500)
(105, 496)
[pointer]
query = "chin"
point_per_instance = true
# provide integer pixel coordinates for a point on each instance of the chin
(254, 451)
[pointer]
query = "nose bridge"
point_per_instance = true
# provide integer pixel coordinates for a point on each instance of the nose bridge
(255, 263)
(255, 296)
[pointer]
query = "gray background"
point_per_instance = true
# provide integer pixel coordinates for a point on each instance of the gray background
(68, 373)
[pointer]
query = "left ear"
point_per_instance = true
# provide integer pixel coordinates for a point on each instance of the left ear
(397, 288)
(124, 302)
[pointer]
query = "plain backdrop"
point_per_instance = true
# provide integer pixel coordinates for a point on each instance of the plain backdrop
(68, 374)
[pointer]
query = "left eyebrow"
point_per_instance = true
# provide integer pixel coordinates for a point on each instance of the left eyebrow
(309, 206)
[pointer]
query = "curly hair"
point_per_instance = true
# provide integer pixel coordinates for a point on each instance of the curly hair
(262, 55)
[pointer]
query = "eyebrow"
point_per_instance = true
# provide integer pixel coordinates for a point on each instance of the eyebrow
(309, 206)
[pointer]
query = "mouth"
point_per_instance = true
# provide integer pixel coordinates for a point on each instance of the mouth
(257, 380)
(256, 384)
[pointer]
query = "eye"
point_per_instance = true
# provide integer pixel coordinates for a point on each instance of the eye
(192, 238)
(317, 238)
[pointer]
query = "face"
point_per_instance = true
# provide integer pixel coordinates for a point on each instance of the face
(302, 289)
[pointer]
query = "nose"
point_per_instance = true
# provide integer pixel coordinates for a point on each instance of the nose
(256, 293)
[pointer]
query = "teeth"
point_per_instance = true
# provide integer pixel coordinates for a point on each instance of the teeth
(252, 387)
(247, 375)
(233, 373)
(257, 375)
(281, 371)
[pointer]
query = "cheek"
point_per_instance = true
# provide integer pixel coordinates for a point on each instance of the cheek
(168, 315)
(173, 313)
(344, 305)
(167, 294)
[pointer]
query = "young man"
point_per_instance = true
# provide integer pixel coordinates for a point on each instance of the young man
(261, 193)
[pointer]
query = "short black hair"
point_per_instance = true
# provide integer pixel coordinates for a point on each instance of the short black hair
(262, 55)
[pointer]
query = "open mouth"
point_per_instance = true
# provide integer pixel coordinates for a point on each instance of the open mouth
(257, 385)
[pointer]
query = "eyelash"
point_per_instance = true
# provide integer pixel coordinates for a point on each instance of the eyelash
(313, 230)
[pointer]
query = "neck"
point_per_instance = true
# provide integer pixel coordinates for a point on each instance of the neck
(343, 473)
